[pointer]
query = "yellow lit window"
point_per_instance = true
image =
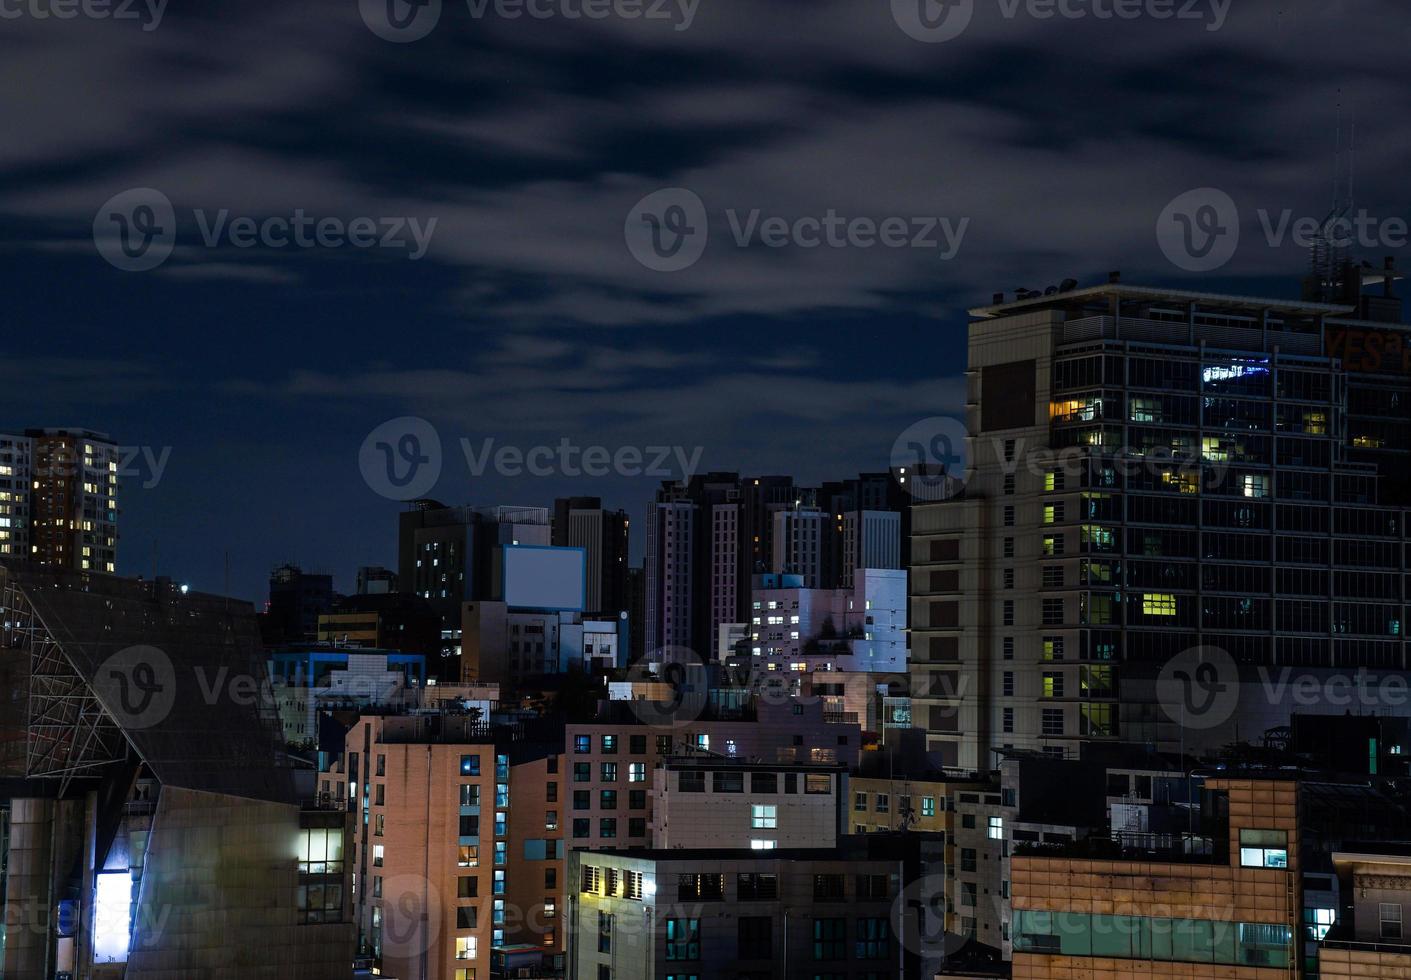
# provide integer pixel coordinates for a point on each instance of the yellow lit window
(1368, 442)
(1159, 604)
(1074, 409)
(1181, 482)
(465, 947)
(1215, 449)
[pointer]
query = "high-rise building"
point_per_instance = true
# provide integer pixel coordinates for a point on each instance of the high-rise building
(636, 612)
(15, 453)
(706, 539)
(458, 841)
(450, 555)
(798, 544)
(581, 522)
(59, 499)
(871, 539)
(670, 582)
(1152, 471)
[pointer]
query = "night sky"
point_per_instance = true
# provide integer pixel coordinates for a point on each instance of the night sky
(1057, 141)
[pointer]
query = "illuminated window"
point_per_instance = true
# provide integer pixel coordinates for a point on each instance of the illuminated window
(1053, 685)
(1076, 409)
(1097, 719)
(1181, 481)
(1101, 538)
(466, 947)
(1145, 410)
(1315, 423)
(1255, 485)
(1215, 449)
(1159, 604)
(764, 816)
(1264, 849)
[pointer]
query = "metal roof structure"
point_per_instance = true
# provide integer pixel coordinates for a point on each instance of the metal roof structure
(104, 668)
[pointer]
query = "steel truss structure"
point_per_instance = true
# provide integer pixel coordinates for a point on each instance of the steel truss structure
(69, 734)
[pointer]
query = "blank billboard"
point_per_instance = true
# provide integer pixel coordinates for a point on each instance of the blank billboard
(545, 578)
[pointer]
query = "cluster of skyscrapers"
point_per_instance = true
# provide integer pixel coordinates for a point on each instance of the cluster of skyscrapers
(1081, 715)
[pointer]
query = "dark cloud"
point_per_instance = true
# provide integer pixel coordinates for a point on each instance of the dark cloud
(1057, 143)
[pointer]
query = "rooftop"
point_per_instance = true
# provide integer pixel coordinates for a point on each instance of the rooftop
(1074, 297)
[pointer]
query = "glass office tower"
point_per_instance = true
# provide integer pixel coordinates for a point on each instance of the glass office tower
(1159, 480)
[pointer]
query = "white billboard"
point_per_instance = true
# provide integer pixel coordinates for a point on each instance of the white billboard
(538, 577)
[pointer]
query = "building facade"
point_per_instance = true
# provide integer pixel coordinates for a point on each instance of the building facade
(1235, 907)
(1155, 474)
(604, 536)
(731, 912)
(59, 498)
(457, 846)
(615, 764)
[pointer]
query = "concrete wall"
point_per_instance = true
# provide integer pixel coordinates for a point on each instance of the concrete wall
(711, 819)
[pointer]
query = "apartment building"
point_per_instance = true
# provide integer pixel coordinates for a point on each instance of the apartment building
(927, 804)
(799, 629)
(725, 803)
(1152, 471)
(604, 535)
(448, 556)
(743, 913)
(59, 498)
(614, 763)
(457, 842)
(15, 453)
(1089, 911)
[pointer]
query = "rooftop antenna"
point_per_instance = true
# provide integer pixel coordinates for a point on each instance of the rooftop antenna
(1328, 252)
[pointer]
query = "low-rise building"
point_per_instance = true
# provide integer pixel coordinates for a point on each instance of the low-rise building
(725, 803)
(1099, 908)
(814, 912)
(613, 763)
(311, 679)
(1371, 940)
